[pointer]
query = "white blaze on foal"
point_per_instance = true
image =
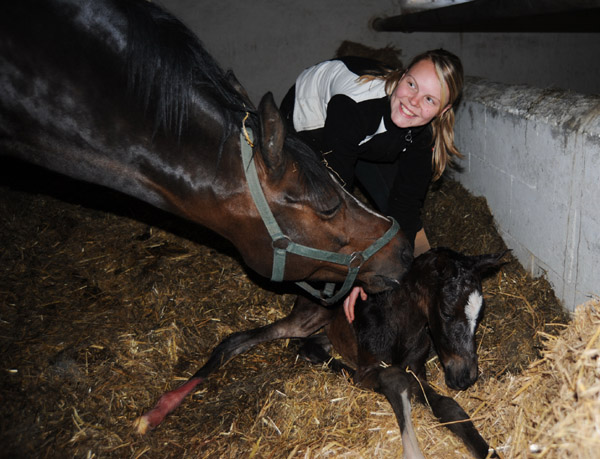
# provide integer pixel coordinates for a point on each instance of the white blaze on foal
(473, 307)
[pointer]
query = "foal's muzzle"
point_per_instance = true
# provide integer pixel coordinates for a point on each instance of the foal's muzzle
(461, 373)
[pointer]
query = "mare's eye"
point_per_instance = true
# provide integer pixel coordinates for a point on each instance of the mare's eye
(331, 211)
(325, 210)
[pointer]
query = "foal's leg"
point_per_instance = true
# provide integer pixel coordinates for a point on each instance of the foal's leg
(454, 417)
(395, 384)
(316, 349)
(306, 317)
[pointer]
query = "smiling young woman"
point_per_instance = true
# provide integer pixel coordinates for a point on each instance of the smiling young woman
(390, 130)
(418, 96)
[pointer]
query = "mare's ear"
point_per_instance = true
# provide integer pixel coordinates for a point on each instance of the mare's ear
(487, 264)
(272, 132)
(233, 81)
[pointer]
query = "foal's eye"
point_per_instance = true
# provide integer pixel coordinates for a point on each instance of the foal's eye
(447, 316)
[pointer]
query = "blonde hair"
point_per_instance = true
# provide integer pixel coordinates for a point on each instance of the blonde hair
(449, 71)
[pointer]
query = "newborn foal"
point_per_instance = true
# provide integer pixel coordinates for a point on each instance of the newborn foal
(439, 302)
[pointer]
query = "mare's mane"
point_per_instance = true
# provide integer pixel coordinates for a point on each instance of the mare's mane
(166, 64)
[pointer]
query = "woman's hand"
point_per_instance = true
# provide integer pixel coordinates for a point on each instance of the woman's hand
(350, 301)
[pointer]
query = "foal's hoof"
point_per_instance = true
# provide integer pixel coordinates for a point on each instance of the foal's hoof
(142, 425)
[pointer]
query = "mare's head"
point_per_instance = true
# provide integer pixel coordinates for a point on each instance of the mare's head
(190, 97)
(455, 308)
(313, 210)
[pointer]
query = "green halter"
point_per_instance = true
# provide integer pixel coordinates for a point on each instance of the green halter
(282, 244)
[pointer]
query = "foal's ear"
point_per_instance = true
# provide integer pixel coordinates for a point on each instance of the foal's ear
(445, 264)
(486, 264)
(272, 132)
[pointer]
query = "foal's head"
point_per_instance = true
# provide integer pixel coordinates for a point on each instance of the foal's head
(455, 309)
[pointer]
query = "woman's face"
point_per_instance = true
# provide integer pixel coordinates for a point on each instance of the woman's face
(417, 98)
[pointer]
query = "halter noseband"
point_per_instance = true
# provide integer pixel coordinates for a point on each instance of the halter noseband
(282, 244)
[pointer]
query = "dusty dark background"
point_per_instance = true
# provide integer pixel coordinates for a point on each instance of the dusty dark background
(106, 302)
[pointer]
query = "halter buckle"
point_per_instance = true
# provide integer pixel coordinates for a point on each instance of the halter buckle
(356, 260)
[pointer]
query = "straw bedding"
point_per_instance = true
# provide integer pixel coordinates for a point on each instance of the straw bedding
(553, 408)
(105, 303)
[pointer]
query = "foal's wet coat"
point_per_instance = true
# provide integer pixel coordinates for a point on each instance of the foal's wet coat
(437, 305)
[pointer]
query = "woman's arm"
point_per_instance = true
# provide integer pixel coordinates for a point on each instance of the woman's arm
(344, 129)
(421, 246)
(410, 188)
(421, 243)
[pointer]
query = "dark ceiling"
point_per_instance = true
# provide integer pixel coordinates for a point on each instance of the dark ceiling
(499, 16)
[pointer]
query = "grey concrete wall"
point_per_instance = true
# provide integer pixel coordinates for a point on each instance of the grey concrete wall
(535, 155)
(268, 43)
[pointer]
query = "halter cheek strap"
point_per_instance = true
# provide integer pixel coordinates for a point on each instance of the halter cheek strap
(282, 244)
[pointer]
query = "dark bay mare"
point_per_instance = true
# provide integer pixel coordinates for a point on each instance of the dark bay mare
(437, 306)
(121, 94)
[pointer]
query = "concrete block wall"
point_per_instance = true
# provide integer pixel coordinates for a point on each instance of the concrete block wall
(535, 155)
